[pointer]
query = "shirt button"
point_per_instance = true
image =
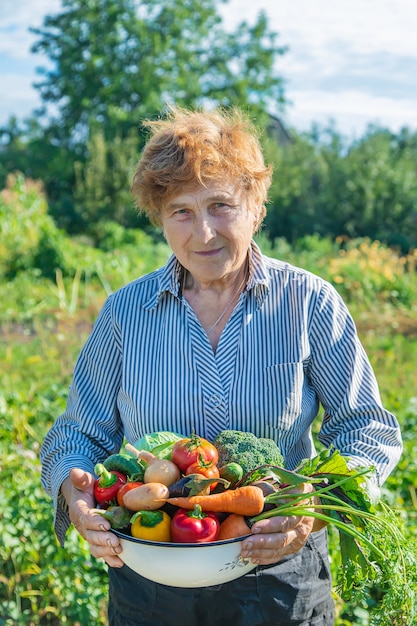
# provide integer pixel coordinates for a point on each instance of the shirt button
(215, 400)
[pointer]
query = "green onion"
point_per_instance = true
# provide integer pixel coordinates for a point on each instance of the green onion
(374, 551)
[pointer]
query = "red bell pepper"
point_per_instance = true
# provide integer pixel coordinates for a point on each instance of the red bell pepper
(107, 485)
(194, 526)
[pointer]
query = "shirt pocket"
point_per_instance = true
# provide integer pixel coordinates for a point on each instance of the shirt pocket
(283, 391)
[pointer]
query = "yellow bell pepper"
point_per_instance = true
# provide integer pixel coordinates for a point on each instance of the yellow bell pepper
(151, 525)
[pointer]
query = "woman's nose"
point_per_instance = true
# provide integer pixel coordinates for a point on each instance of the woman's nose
(204, 227)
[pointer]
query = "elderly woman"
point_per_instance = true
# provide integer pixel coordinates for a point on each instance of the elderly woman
(222, 337)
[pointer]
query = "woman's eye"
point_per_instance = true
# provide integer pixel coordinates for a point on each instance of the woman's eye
(221, 206)
(181, 212)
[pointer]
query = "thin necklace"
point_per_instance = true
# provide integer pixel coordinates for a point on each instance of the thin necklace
(221, 316)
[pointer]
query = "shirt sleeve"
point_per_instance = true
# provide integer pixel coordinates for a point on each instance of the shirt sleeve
(355, 421)
(90, 428)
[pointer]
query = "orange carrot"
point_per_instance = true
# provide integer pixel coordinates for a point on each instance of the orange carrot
(247, 500)
(233, 526)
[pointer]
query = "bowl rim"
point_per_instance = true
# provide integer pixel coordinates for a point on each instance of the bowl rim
(169, 544)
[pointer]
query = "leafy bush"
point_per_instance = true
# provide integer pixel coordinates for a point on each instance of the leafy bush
(48, 273)
(366, 270)
(42, 583)
(29, 238)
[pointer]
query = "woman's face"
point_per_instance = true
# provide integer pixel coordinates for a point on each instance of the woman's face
(209, 229)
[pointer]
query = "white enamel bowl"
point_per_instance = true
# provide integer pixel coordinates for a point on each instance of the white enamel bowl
(185, 564)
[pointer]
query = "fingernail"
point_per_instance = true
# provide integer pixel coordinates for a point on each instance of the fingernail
(115, 549)
(247, 550)
(103, 527)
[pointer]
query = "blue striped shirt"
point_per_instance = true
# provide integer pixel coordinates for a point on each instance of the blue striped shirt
(289, 346)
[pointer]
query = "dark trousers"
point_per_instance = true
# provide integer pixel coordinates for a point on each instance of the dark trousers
(294, 592)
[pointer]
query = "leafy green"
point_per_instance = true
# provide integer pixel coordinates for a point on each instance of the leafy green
(373, 548)
(159, 443)
(278, 474)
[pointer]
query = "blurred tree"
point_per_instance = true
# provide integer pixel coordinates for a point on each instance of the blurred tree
(114, 62)
(137, 56)
(380, 188)
(300, 175)
(102, 182)
(31, 148)
(367, 189)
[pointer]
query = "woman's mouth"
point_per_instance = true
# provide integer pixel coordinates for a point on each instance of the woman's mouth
(208, 253)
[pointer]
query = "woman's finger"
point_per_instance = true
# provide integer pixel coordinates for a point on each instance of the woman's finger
(265, 548)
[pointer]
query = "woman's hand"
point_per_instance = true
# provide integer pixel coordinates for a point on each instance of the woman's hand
(276, 537)
(78, 491)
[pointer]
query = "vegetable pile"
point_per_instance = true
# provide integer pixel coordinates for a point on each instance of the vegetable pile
(172, 488)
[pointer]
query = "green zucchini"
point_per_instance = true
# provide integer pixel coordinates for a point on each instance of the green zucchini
(125, 464)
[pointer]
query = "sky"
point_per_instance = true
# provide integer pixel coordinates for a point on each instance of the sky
(349, 63)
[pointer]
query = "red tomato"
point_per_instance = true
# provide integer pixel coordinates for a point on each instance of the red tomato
(206, 469)
(194, 526)
(191, 449)
(124, 489)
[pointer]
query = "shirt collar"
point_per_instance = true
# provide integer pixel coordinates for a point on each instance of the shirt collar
(170, 278)
(258, 276)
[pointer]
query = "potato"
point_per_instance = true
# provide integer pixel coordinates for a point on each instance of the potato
(162, 471)
(157, 470)
(147, 497)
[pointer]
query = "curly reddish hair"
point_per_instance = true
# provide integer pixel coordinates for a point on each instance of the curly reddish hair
(199, 146)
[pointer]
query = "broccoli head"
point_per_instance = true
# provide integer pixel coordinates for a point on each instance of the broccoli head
(246, 449)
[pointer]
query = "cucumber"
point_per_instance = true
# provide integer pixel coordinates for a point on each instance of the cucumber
(125, 464)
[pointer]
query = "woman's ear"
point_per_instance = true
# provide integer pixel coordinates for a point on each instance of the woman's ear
(256, 220)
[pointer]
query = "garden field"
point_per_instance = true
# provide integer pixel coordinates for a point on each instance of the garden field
(51, 289)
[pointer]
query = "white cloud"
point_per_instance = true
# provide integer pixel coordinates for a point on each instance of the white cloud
(351, 110)
(21, 98)
(373, 25)
(350, 60)
(15, 20)
(15, 44)
(26, 12)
